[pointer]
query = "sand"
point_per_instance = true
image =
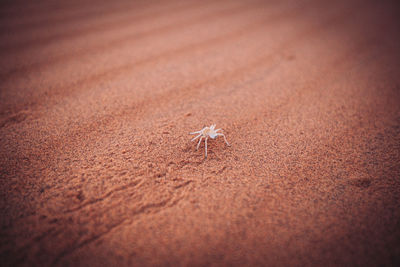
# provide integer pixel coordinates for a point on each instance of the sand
(97, 100)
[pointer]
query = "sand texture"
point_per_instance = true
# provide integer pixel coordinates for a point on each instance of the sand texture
(97, 99)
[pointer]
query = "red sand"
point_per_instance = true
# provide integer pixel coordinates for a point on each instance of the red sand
(97, 100)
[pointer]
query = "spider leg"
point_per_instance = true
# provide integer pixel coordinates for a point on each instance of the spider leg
(206, 146)
(221, 134)
(201, 138)
(196, 137)
(199, 131)
(218, 130)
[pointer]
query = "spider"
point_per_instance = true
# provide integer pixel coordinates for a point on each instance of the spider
(207, 132)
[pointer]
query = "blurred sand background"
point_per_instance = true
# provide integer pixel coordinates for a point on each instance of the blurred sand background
(97, 99)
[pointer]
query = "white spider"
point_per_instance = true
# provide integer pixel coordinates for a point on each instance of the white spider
(207, 132)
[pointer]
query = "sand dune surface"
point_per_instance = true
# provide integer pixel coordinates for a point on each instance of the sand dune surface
(97, 100)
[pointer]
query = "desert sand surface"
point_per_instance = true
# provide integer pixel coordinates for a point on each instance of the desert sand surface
(97, 100)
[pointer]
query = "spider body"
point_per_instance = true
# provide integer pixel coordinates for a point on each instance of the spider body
(208, 132)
